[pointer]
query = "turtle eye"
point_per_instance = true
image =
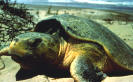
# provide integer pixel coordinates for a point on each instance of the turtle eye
(35, 42)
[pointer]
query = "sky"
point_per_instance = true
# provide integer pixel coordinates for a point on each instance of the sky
(74, 0)
(125, 2)
(60, 0)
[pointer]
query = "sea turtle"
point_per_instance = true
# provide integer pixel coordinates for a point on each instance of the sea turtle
(67, 45)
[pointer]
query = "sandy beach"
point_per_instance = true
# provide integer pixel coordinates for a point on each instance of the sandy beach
(119, 23)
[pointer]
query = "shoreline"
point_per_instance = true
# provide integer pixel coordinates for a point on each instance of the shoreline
(111, 7)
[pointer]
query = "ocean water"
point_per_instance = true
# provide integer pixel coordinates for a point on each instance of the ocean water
(121, 7)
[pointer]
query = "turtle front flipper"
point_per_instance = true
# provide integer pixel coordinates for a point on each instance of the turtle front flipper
(82, 70)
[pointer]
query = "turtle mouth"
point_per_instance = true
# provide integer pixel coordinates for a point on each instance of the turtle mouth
(17, 59)
(22, 59)
(27, 62)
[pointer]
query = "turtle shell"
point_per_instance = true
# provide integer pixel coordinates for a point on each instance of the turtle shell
(88, 30)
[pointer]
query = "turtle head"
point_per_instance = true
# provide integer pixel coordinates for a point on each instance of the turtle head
(32, 47)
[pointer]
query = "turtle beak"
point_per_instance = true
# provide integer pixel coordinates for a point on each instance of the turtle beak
(5, 52)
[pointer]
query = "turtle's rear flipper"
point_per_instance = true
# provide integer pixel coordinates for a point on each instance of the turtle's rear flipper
(82, 70)
(25, 74)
